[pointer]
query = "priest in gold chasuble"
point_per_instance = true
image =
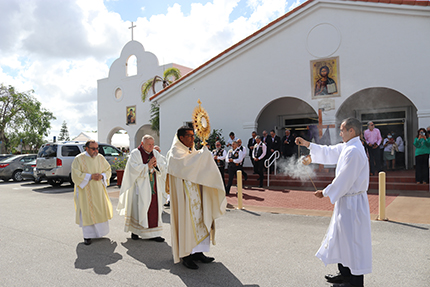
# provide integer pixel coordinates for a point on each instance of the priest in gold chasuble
(90, 174)
(197, 198)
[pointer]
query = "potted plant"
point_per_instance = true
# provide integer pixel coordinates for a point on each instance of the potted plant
(119, 164)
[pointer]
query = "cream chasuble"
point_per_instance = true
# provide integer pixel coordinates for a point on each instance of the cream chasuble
(136, 193)
(197, 197)
(92, 203)
(348, 239)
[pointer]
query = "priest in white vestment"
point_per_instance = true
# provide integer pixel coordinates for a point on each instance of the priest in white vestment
(91, 173)
(197, 198)
(141, 196)
(348, 239)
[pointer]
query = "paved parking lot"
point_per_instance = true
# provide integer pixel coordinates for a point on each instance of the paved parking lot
(42, 246)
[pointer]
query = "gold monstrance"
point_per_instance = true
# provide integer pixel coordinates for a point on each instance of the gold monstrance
(202, 127)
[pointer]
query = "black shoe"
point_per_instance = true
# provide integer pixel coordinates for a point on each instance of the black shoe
(260, 185)
(338, 278)
(189, 263)
(167, 204)
(199, 256)
(134, 236)
(157, 239)
(87, 241)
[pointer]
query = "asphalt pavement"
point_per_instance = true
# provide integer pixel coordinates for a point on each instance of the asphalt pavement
(41, 245)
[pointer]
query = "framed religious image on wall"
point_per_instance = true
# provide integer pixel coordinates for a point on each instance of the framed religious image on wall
(325, 78)
(131, 115)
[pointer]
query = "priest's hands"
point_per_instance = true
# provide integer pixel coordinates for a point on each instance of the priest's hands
(96, 176)
(152, 162)
(302, 142)
(319, 194)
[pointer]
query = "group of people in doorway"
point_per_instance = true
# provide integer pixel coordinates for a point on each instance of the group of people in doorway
(384, 153)
(259, 147)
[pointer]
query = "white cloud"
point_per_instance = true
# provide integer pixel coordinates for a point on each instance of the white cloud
(60, 48)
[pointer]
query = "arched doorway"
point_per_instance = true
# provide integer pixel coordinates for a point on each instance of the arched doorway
(119, 138)
(286, 112)
(390, 110)
(146, 130)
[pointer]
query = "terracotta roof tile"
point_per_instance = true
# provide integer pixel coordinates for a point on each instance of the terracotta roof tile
(398, 2)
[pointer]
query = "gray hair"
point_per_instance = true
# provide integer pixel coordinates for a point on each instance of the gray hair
(258, 137)
(147, 137)
(354, 124)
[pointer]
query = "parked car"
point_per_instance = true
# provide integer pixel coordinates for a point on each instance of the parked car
(30, 172)
(12, 167)
(54, 160)
(5, 156)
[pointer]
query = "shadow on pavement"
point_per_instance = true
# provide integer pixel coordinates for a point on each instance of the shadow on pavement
(212, 274)
(54, 189)
(97, 256)
(154, 255)
(407, 225)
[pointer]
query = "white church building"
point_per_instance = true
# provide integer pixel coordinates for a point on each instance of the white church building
(375, 54)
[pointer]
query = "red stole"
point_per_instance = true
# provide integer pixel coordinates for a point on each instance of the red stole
(153, 207)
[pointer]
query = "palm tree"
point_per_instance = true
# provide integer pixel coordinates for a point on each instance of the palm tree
(166, 80)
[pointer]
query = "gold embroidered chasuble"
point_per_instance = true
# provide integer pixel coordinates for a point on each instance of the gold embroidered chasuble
(93, 202)
(197, 197)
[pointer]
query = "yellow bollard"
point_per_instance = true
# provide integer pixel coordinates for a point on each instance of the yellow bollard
(239, 189)
(382, 187)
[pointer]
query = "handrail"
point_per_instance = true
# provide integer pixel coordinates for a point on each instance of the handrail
(268, 163)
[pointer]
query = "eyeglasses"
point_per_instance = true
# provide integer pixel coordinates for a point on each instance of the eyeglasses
(94, 148)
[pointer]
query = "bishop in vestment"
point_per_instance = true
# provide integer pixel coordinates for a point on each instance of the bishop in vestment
(197, 198)
(141, 196)
(348, 239)
(90, 174)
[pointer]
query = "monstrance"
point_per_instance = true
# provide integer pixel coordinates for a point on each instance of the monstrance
(202, 127)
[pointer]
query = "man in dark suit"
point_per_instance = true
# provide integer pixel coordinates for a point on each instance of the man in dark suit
(251, 143)
(275, 145)
(288, 144)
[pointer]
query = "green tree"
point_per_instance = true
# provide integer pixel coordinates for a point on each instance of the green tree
(155, 117)
(22, 118)
(64, 133)
(169, 76)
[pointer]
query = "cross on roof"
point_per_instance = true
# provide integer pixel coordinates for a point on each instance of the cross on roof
(132, 26)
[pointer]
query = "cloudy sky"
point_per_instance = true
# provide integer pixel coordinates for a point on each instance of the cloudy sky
(60, 48)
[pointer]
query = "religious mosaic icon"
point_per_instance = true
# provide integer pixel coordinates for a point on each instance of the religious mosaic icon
(202, 127)
(325, 78)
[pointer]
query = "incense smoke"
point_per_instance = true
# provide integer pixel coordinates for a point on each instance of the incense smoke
(294, 168)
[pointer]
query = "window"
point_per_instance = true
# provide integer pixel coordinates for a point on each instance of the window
(131, 66)
(48, 151)
(118, 93)
(70, 150)
(109, 151)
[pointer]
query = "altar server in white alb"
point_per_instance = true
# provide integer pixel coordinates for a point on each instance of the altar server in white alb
(141, 197)
(348, 240)
(90, 174)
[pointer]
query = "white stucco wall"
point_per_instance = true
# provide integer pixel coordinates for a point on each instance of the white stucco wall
(378, 45)
(112, 111)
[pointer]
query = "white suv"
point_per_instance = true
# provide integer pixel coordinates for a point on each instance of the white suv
(54, 159)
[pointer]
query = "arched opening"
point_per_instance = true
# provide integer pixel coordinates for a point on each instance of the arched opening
(286, 112)
(390, 110)
(131, 66)
(119, 138)
(146, 130)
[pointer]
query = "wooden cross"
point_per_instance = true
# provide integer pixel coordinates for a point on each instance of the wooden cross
(320, 125)
(132, 30)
